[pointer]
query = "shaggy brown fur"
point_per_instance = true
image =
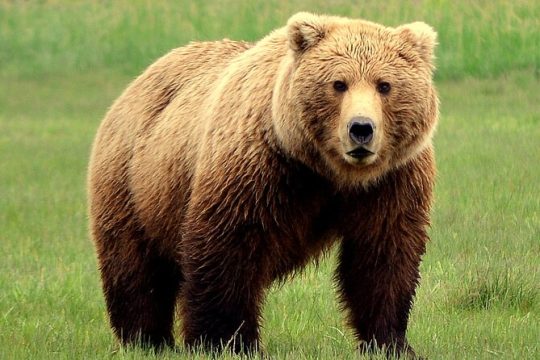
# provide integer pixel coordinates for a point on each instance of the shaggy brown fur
(224, 167)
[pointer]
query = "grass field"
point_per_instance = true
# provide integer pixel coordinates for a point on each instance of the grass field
(477, 38)
(61, 65)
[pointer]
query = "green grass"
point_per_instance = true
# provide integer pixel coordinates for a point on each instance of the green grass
(479, 296)
(476, 38)
(62, 64)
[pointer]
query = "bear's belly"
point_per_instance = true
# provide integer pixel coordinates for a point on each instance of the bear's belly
(293, 254)
(305, 230)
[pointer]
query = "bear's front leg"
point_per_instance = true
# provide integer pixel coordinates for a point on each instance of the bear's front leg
(224, 290)
(383, 242)
(378, 288)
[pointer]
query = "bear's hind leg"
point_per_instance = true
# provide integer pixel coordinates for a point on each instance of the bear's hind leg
(140, 289)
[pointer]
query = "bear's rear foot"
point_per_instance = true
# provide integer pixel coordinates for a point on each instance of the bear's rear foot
(141, 297)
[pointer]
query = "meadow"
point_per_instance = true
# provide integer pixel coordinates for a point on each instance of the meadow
(62, 63)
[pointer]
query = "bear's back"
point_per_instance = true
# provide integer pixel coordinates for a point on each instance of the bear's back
(131, 155)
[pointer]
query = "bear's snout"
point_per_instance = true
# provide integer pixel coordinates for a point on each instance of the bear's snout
(361, 130)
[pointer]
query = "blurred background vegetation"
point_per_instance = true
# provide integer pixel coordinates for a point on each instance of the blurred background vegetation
(478, 38)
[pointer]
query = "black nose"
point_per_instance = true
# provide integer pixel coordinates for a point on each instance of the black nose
(361, 130)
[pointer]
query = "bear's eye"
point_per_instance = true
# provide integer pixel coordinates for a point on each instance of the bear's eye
(340, 86)
(383, 87)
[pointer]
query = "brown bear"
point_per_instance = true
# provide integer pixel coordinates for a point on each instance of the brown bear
(228, 165)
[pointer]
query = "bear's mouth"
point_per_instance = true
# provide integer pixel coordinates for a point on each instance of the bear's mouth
(360, 153)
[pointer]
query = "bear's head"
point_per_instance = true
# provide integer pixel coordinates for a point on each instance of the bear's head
(354, 99)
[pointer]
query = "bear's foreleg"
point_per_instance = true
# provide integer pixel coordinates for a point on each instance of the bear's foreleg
(380, 255)
(378, 290)
(223, 292)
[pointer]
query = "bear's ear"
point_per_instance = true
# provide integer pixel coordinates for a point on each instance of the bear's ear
(422, 37)
(305, 30)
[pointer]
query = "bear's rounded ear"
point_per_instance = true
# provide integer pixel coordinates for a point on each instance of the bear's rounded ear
(305, 30)
(422, 37)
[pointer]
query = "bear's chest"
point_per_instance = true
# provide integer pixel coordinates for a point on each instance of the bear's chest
(302, 217)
